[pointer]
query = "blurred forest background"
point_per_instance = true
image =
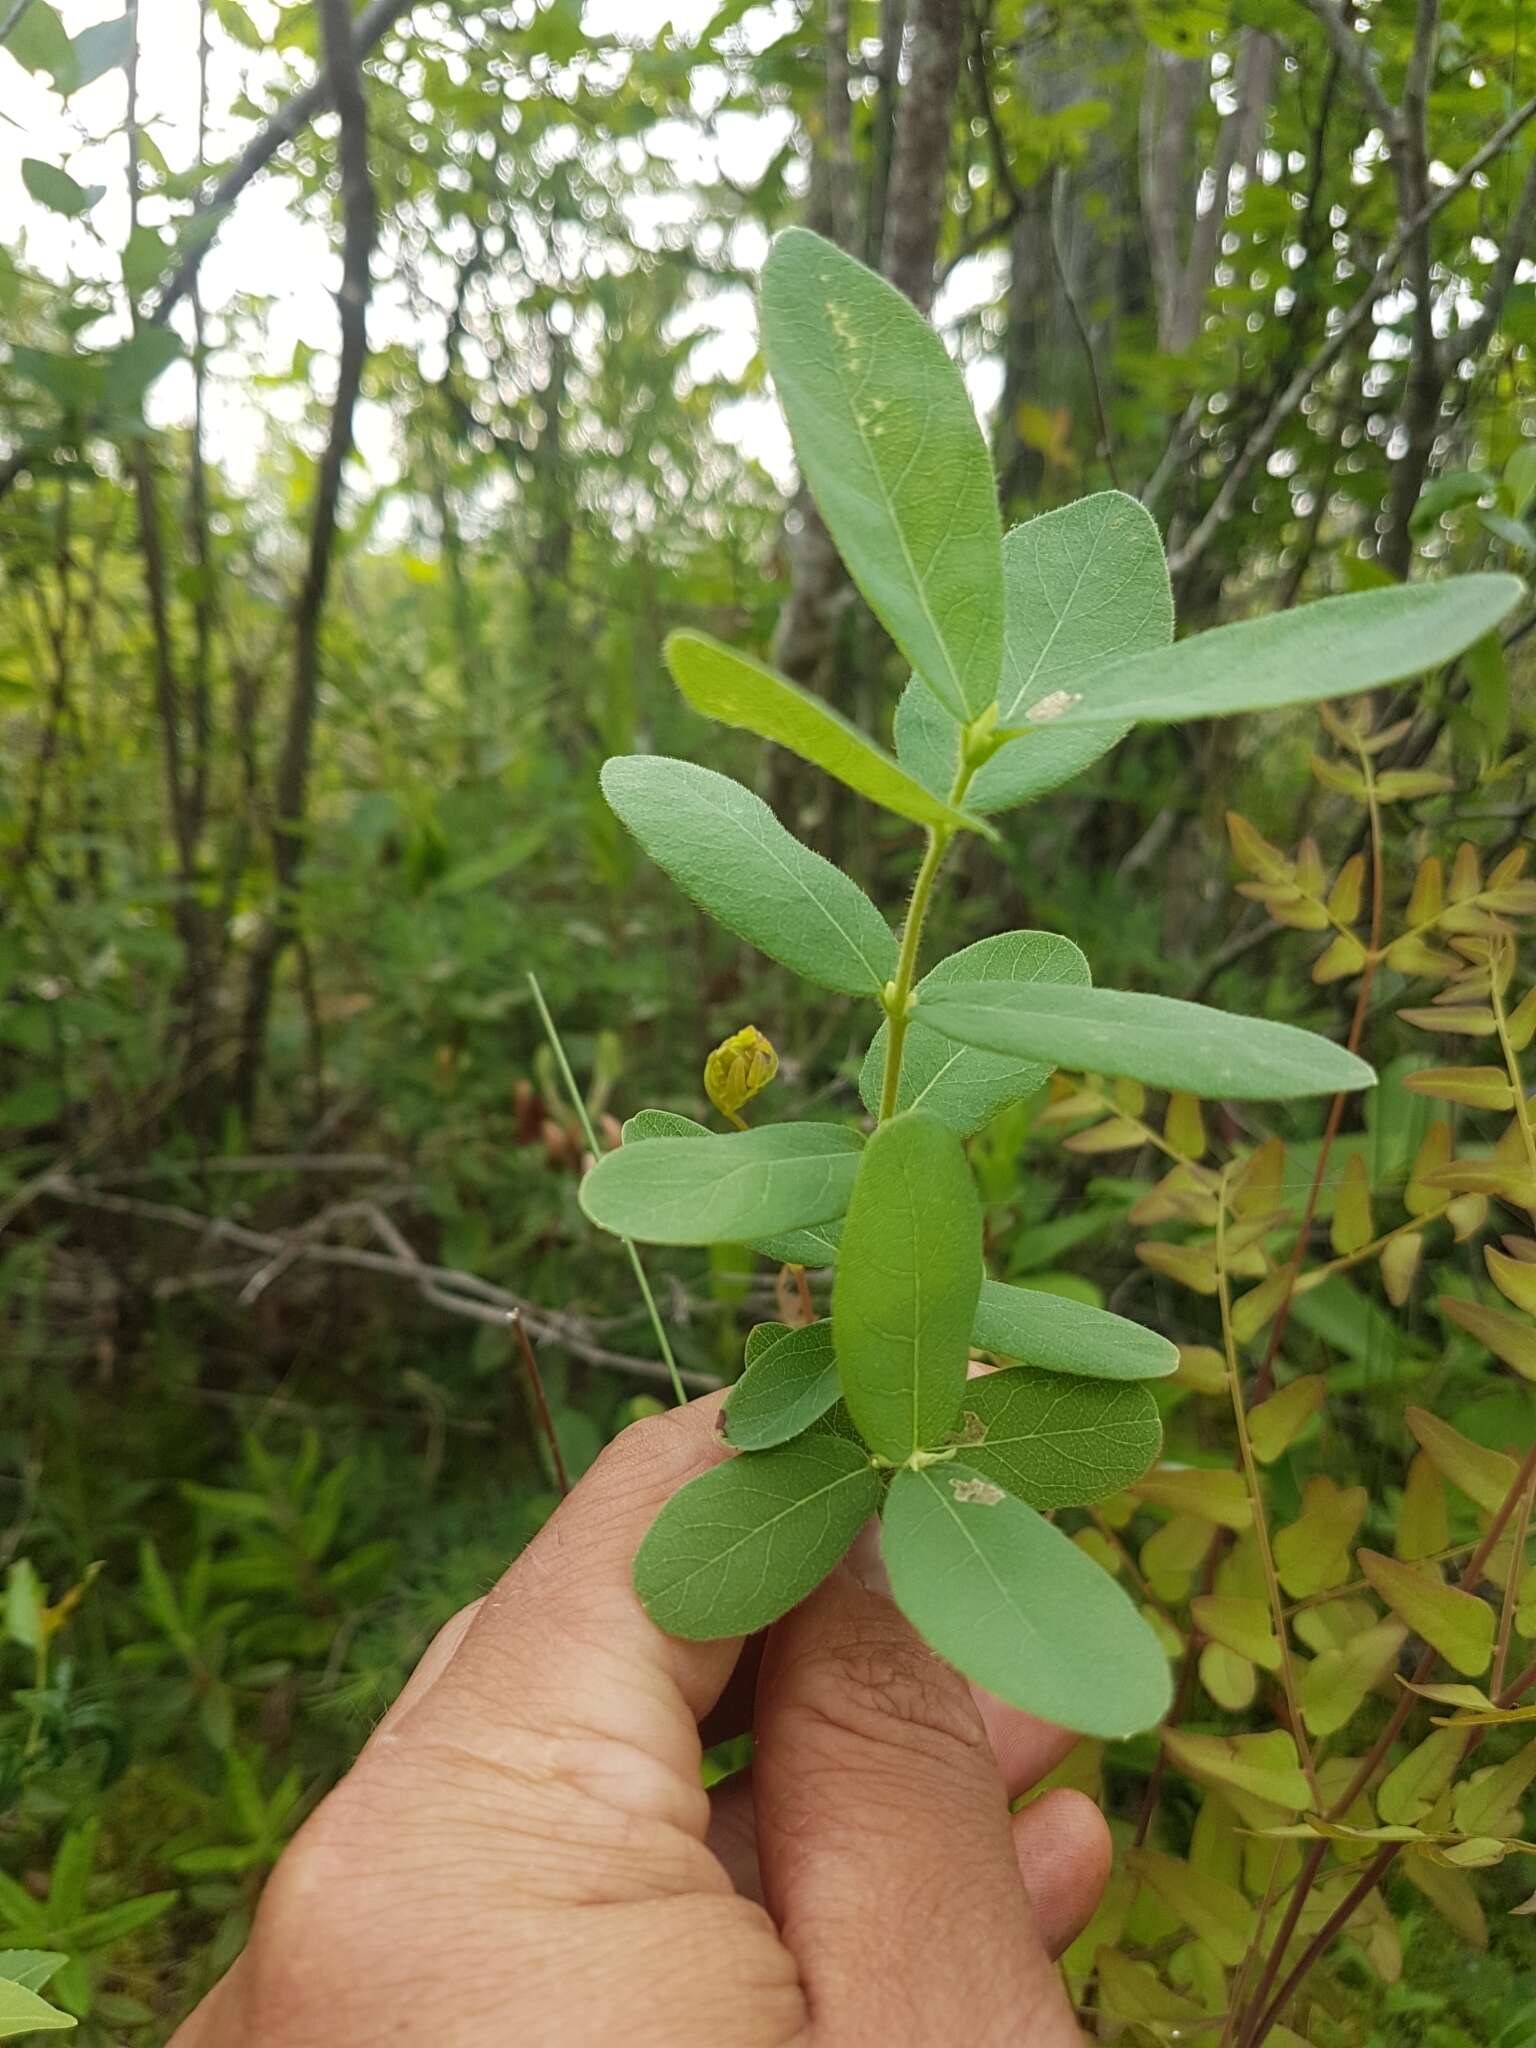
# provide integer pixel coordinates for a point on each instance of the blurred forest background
(378, 386)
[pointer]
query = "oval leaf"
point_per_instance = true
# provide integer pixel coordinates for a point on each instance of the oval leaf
(1056, 1334)
(1057, 1442)
(102, 48)
(738, 1546)
(726, 1189)
(789, 1383)
(738, 691)
(1082, 586)
(817, 1245)
(962, 1087)
(907, 1280)
(1015, 1605)
(894, 456)
(725, 848)
(56, 189)
(1334, 648)
(662, 1123)
(23, 2012)
(1186, 1047)
(1459, 1625)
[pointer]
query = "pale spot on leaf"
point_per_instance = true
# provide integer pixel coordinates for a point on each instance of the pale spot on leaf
(976, 1492)
(1053, 706)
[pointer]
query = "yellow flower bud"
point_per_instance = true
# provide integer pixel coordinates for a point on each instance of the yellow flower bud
(739, 1068)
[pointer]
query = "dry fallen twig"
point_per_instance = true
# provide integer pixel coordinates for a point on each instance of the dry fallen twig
(458, 1293)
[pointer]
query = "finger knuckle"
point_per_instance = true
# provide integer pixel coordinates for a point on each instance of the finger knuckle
(885, 1695)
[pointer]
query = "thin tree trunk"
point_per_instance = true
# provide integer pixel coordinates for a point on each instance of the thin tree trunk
(1419, 416)
(1238, 149)
(344, 87)
(842, 193)
(920, 159)
(1170, 101)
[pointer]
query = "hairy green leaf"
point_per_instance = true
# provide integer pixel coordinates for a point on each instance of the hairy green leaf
(907, 1280)
(1183, 1046)
(962, 1087)
(759, 1337)
(1082, 587)
(888, 442)
(738, 1546)
(1015, 1605)
(817, 1245)
(662, 1123)
(1056, 1334)
(789, 1383)
(726, 1189)
(738, 691)
(1334, 648)
(1058, 1442)
(725, 848)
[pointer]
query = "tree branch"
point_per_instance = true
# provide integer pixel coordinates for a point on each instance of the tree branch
(358, 229)
(291, 118)
(446, 1287)
(842, 193)
(1353, 54)
(1419, 416)
(285, 126)
(920, 159)
(1258, 445)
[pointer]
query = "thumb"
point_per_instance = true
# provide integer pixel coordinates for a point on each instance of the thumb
(883, 1832)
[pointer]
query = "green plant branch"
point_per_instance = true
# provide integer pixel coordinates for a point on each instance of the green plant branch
(1255, 1489)
(1377, 1245)
(897, 996)
(1264, 1379)
(1369, 1765)
(1511, 1598)
(1517, 1688)
(1238, 2003)
(1512, 1068)
(1204, 1174)
(1353, 1586)
(1428, 924)
(578, 1104)
(1337, 1920)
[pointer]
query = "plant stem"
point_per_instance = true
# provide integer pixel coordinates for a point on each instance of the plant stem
(1256, 1500)
(1367, 1770)
(1512, 1587)
(1377, 1245)
(541, 1406)
(1512, 1067)
(897, 997)
(1265, 1377)
(1517, 1688)
(578, 1104)
(1337, 1920)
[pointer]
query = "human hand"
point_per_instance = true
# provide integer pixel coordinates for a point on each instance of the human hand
(524, 1853)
